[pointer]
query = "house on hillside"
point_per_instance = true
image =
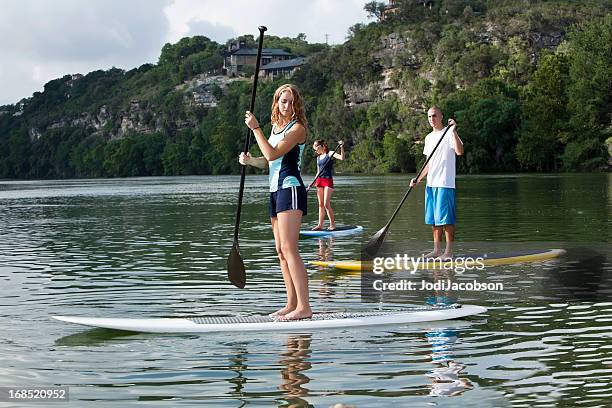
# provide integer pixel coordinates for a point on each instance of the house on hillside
(425, 3)
(238, 58)
(393, 7)
(389, 10)
(279, 69)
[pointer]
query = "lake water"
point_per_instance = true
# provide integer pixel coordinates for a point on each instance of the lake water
(157, 247)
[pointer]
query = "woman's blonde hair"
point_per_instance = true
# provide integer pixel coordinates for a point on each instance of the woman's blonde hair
(299, 111)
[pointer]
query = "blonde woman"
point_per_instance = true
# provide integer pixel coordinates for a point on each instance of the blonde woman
(282, 153)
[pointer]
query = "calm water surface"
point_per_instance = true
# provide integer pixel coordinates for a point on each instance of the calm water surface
(156, 247)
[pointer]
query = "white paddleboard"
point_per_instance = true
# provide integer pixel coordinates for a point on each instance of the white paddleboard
(267, 323)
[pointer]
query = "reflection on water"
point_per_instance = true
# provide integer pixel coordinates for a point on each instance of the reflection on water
(157, 247)
(327, 278)
(445, 295)
(447, 377)
(92, 337)
(446, 381)
(238, 363)
(326, 248)
(295, 363)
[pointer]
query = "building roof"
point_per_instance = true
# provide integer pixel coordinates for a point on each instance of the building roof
(264, 51)
(292, 63)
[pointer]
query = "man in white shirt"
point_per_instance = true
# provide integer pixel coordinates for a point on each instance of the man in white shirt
(440, 189)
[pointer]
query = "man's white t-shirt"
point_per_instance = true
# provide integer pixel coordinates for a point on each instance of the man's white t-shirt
(441, 171)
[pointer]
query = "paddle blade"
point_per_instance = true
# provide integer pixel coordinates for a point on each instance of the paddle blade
(374, 244)
(235, 267)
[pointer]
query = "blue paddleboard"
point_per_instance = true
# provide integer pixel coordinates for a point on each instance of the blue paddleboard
(339, 231)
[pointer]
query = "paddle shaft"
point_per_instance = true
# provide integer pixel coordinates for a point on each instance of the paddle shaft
(417, 177)
(323, 168)
(247, 141)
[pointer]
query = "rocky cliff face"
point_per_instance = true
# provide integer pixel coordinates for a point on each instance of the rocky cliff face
(401, 52)
(97, 121)
(200, 91)
(396, 53)
(137, 118)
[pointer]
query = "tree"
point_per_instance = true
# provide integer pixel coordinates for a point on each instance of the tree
(176, 53)
(18, 159)
(375, 9)
(354, 30)
(544, 127)
(590, 93)
(488, 115)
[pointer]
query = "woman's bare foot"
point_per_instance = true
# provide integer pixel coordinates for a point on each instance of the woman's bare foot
(298, 314)
(331, 228)
(432, 254)
(283, 311)
(317, 228)
(447, 256)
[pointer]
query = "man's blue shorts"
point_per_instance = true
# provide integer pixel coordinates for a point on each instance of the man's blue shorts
(290, 198)
(439, 206)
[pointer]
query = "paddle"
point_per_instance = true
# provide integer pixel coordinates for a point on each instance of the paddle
(323, 168)
(235, 267)
(377, 240)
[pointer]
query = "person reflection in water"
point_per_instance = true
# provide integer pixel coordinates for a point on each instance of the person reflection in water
(328, 279)
(295, 362)
(445, 377)
(444, 297)
(326, 249)
(446, 381)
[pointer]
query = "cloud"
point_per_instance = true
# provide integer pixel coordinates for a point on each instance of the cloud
(43, 40)
(284, 18)
(216, 32)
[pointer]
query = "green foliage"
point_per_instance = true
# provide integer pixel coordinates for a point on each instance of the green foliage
(175, 158)
(584, 153)
(488, 116)
(517, 67)
(17, 162)
(366, 157)
(175, 54)
(457, 8)
(477, 62)
(411, 13)
(397, 156)
(526, 96)
(375, 9)
(88, 157)
(590, 93)
(296, 46)
(544, 127)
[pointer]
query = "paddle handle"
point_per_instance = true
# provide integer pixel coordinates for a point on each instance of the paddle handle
(418, 175)
(247, 141)
(323, 168)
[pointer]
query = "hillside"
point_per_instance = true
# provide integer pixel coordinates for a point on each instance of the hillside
(529, 83)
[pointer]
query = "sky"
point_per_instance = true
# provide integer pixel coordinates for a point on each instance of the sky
(41, 40)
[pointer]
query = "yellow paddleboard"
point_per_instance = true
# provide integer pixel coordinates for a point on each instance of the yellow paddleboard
(463, 261)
